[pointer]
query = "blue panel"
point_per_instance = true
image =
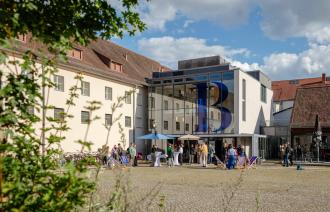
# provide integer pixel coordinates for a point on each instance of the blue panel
(202, 107)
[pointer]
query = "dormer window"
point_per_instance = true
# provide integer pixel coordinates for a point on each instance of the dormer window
(75, 53)
(21, 38)
(116, 66)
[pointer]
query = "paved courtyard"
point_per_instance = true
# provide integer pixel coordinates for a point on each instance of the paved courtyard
(192, 188)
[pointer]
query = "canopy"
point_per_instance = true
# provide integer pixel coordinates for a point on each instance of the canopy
(155, 136)
(189, 137)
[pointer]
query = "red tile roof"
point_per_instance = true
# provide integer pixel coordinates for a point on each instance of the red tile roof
(309, 102)
(99, 53)
(286, 89)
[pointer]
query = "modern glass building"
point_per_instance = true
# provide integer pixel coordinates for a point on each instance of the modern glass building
(209, 97)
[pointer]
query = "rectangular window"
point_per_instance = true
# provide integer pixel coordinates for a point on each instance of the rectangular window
(108, 93)
(128, 97)
(128, 121)
(59, 114)
(244, 89)
(116, 66)
(138, 122)
(59, 82)
(188, 110)
(152, 102)
(151, 123)
(165, 125)
(30, 110)
(85, 88)
(263, 93)
(177, 126)
(139, 99)
(85, 117)
(187, 127)
(108, 119)
(244, 110)
(75, 53)
(165, 105)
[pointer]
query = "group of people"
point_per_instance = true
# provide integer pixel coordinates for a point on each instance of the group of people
(118, 155)
(202, 153)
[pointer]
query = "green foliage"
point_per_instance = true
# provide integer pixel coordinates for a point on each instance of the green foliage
(30, 176)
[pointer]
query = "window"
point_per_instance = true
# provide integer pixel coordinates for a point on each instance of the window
(84, 117)
(177, 126)
(165, 105)
(244, 89)
(177, 106)
(128, 121)
(75, 53)
(187, 127)
(263, 93)
(85, 88)
(59, 82)
(138, 122)
(139, 99)
(243, 100)
(165, 125)
(30, 110)
(108, 93)
(244, 111)
(116, 66)
(152, 102)
(22, 38)
(151, 123)
(128, 97)
(108, 119)
(188, 110)
(59, 114)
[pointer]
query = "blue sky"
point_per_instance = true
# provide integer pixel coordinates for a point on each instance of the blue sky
(285, 39)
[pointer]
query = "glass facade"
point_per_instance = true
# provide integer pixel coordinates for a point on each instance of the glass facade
(193, 104)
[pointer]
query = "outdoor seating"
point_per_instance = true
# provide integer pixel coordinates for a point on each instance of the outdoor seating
(219, 163)
(241, 163)
(124, 160)
(253, 162)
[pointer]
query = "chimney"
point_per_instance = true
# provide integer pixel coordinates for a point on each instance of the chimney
(324, 78)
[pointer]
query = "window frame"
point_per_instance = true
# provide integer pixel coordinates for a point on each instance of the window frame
(107, 93)
(130, 121)
(83, 121)
(106, 121)
(57, 83)
(57, 112)
(83, 88)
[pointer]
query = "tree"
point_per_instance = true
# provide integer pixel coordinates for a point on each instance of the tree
(29, 179)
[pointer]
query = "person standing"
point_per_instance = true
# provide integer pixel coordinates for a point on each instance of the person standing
(192, 153)
(153, 155)
(299, 152)
(198, 153)
(180, 154)
(231, 155)
(170, 155)
(132, 153)
(286, 155)
(211, 152)
(204, 153)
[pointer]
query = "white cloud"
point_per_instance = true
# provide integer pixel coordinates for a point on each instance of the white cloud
(157, 13)
(311, 62)
(294, 18)
(321, 36)
(187, 23)
(168, 50)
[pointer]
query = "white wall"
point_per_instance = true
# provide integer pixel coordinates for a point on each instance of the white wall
(97, 132)
(258, 113)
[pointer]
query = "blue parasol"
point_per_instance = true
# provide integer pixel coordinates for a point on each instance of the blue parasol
(155, 136)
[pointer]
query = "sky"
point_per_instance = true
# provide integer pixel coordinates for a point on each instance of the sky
(286, 39)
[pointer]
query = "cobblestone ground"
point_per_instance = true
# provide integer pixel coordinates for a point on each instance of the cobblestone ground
(192, 188)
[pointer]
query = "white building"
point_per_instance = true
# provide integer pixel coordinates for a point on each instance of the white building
(108, 72)
(210, 98)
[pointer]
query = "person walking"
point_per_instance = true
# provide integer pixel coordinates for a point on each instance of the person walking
(192, 153)
(170, 155)
(180, 154)
(204, 153)
(198, 153)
